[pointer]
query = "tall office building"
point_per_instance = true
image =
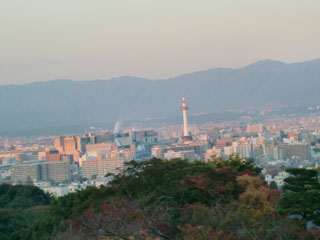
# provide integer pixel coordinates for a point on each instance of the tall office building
(104, 158)
(111, 162)
(105, 137)
(56, 171)
(70, 144)
(288, 151)
(22, 172)
(89, 168)
(302, 151)
(59, 144)
(53, 155)
(81, 143)
(244, 150)
(41, 171)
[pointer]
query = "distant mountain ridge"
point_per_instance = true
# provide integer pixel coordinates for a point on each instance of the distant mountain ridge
(66, 102)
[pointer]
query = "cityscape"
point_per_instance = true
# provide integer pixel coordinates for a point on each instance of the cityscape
(63, 164)
(160, 120)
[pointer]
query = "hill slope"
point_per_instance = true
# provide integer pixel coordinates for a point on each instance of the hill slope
(65, 103)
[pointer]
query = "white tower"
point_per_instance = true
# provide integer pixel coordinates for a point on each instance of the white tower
(184, 109)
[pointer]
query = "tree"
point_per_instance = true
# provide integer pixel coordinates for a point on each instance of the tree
(237, 163)
(29, 181)
(302, 194)
(160, 199)
(216, 186)
(257, 198)
(273, 185)
(121, 219)
(20, 206)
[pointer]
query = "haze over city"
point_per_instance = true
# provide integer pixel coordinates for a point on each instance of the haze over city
(86, 40)
(159, 120)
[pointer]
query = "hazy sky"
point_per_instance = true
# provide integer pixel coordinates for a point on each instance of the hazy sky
(99, 39)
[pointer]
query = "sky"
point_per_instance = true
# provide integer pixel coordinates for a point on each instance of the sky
(43, 40)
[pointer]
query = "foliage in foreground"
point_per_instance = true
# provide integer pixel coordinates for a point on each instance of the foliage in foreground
(19, 206)
(156, 199)
(302, 194)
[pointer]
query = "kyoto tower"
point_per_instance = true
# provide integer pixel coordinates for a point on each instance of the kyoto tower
(184, 109)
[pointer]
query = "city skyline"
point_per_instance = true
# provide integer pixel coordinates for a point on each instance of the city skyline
(96, 140)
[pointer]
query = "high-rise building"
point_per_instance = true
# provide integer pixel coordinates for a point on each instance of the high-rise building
(53, 155)
(244, 150)
(41, 171)
(302, 151)
(99, 147)
(81, 143)
(105, 162)
(158, 151)
(111, 162)
(56, 171)
(22, 172)
(213, 152)
(70, 144)
(59, 144)
(188, 154)
(268, 148)
(21, 157)
(144, 137)
(102, 138)
(288, 151)
(89, 168)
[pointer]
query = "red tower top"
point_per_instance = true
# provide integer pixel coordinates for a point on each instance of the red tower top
(184, 106)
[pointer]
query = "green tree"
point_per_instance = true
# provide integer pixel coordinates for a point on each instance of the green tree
(160, 199)
(237, 163)
(302, 194)
(273, 185)
(29, 181)
(20, 207)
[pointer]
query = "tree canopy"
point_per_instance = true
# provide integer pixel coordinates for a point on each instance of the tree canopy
(19, 207)
(176, 199)
(302, 194)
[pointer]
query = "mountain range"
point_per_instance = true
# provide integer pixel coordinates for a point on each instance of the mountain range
(67, 103)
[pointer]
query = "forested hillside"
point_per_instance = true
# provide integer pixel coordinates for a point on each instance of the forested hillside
(223, 199)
